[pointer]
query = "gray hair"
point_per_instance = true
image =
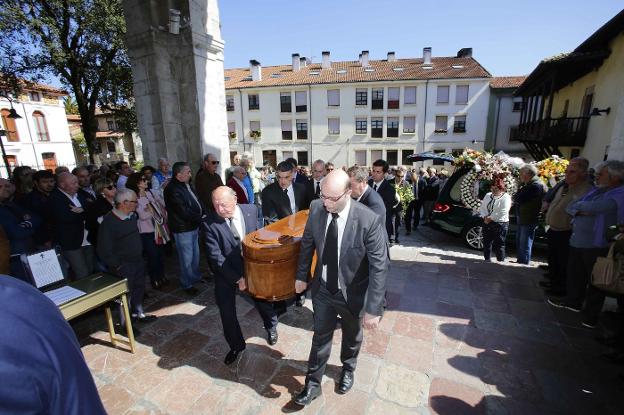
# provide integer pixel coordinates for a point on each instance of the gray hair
(207, 156)
(319, 161)
(239, 169)
(529, 168)
(360, 174)
(163, 160)
(124, 194)
(615, 168)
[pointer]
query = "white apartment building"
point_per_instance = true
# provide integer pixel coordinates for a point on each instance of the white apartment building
(358, 111)
(40, 138)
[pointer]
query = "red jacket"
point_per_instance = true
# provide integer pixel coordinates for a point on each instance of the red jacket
(241, 196)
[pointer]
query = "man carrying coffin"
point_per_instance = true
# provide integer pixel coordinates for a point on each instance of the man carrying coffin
(224, 230)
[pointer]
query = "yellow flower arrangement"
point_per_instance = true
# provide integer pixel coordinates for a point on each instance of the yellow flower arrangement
(551, 170)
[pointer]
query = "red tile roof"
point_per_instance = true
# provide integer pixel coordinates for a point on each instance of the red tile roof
(34, 86)
(507, 81)
(382, 70)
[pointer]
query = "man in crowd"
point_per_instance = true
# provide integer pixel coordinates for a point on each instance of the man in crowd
(119, 246)
(207, 180)
(296, 176)
(185, 213)
(329, 167)
(379, 184)
(84, 181)
(124, 170)
(224, 230)
(432, 190)
(230, 170)
(314, 185)
(348, 282)
(283, 197)
(559, 223)
(68, 215)
(161, 176)
(528, 201)
(38, 202)
(413, 209)
(363, 193)
(236, 184)
(253, 175)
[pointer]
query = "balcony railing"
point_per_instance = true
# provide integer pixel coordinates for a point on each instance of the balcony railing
(553, 131)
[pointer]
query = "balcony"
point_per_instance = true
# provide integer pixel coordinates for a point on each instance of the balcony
(566, 132)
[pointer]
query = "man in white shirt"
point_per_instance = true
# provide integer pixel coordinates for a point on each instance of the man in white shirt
(314, 185)
(124, 171)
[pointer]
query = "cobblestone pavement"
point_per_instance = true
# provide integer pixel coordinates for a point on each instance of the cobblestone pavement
(460, 337)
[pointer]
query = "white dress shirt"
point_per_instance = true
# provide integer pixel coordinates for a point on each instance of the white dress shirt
(378, 184)
(239, 222)
(291, 196)
(242, 185)
(341, 222)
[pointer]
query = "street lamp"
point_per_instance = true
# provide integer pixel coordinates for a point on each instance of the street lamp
(12, 113)
(4, 133)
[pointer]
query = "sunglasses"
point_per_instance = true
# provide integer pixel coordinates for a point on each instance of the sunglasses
(215, 162)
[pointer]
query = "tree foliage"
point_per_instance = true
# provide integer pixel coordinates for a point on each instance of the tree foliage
(78, 41)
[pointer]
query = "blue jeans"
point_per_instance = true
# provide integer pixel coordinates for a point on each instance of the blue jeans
(524, 242)
(187, 245)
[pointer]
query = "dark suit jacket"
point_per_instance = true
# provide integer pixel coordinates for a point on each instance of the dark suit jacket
(387, 193)
(223, 252)
(374, 202)
(302, 179)
(276, 205)
(241, 196)
(69, 227)
(311, 190)
(363, 257)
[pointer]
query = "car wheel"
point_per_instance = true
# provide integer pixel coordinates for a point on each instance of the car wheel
(473, 236)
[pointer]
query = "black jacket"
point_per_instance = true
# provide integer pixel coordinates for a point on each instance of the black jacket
(69, 226)
(387, 193)
(374, 202)
(276, 205)
(185, 211)
(95, 210)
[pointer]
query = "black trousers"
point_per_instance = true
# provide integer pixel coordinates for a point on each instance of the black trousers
(327, 308)
(134, 272)
(494, 235)
(225, 295)
(396, 222)
(580, 264)
(389, 225)
(558, 251)
(413, 211)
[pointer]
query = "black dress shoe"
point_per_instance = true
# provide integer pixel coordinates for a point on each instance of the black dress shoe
(346, 382)
(145, 318)
(232, 356)
(307, 395)
(272, 336)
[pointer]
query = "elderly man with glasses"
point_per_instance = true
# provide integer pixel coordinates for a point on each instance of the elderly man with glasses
(207, 179)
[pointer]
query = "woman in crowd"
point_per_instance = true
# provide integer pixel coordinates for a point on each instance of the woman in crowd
(152, 227)
(495, 213)
(148, 173)
(105, 190)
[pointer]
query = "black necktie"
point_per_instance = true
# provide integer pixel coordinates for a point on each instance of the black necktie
(234, 231)
(318, 188)
(330, 255)
(375, 187)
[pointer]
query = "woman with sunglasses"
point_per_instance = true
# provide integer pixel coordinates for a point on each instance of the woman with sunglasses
(105, 191)
(152, 227)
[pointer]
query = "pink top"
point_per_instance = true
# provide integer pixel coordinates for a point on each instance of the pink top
(146, 216)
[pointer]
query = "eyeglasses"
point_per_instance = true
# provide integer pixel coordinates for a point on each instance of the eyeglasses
(214, 162)
(110, 187)
(333, 199)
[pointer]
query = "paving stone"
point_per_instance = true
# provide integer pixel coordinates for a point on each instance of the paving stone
(411, 353)
(402, 386)
(116, 399)
(414, 325)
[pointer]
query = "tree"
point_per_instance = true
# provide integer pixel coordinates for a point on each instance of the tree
(78, 41)
(70, 106)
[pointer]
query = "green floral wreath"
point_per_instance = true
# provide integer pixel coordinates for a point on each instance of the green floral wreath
(467, 184)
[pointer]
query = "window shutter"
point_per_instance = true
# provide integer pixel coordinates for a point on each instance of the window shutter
(410, 95)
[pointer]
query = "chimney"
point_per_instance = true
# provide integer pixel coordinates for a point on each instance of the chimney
(326, 63)
(391, 57)
(303, 62)
(464, 53)
(256, 70)
(427, 56)
(295, 62)
(365, 58)
(360, 59)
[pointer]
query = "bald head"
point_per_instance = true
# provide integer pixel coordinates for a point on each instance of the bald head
(336, 191)
(224, 201)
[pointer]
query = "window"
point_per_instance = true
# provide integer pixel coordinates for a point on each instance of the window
(286, 130)
(361, 126)
(461, 94)
(302, 158)
(301, 101)
(333, 97)
(9, 125)
(229, 102)
(443, 94)
(286, 154)
(517, 106)
(285, 102)
(376, 155)
(378, 97)
(393, 127)
(405, 154)
(409, 96)
(459, 126)
(41, 128)
(377, 127)
(302, 130)
(34, 96)
(333, 125)
(111, 125)
(393, 98)
(97, 147)
(438, 162)
(231, 127)
(254, 127)
(392, 157)
(110, 147)
(254, 101)
(361, 96)
(441, 124)
(360, 157)
(409, 125)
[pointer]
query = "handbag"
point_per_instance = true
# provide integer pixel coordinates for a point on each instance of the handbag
(608, 272)
(161, 229)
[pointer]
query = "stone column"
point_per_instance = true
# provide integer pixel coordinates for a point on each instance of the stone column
(178, 79)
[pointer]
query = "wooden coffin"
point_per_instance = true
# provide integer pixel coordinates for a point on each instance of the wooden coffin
(271, 255)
